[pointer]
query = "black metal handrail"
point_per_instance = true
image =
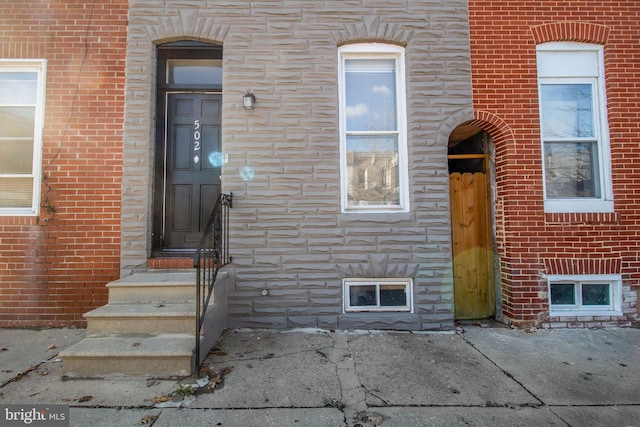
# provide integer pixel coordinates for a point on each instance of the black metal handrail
(211, 255)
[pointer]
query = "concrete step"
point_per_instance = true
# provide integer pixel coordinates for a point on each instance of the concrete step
(154, 318)
(161, 356)
(157, 286)
(147, 328)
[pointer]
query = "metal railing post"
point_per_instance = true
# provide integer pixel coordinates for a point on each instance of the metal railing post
(211, 255)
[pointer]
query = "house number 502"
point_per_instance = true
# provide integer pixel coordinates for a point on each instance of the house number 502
(196, 141)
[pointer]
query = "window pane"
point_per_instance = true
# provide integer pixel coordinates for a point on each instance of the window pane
(566, 63)
(362, 295)
(194, 71)
(595, 294)
(370, 88)
(372, 164)
(17, 122)
(567, 111)
(571, 170)
(393, 295)
(17, 156)
(563, 293)
(18, 88)
(16, 192)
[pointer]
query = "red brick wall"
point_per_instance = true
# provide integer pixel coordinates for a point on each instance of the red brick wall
(54, 267)
(504, 34)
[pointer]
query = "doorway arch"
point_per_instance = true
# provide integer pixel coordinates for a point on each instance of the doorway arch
(472, 223)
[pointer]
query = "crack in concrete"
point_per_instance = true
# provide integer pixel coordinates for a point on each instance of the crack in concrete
(510, 376)
(352, 392)
(268, 356)
(507, 373)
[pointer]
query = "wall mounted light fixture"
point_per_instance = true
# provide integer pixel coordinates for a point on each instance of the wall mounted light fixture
(248, 101)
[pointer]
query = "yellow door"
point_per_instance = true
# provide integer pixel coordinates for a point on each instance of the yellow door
(472, 239)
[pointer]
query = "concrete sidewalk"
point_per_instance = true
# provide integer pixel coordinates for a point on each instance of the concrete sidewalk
(477, 376)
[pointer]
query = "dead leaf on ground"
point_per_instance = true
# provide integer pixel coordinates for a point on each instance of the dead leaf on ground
(213, 382)
(85, 399)
(52, 346)
(163, 398)
(136, 344)
(216, 351)
(43, 371)
(149, 419)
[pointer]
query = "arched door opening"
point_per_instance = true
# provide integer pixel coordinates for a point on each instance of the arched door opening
(472, 223)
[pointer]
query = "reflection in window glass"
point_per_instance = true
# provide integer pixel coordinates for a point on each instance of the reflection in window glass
(571, 169)
(370, 89)
(372, 162)
(18, 88)
(362, 295)
(16, 192)
(194, 71)
(595, 294)
(563, 293)
(567, 111)
(570, 148)
(17, 156)
(393, 295)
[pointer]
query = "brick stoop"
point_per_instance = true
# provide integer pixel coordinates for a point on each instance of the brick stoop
(170, 263)
(146, 329)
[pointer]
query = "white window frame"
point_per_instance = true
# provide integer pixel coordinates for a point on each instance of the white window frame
(375, 51)
(38, 66)
(554, 72)
(347, 284)
(615, 295)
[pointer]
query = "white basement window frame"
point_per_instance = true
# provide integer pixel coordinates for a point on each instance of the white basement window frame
(378, 295)
(22, 99)
(585, 295)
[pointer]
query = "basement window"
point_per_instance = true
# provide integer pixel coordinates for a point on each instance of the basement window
(585, 295)
(362, 295)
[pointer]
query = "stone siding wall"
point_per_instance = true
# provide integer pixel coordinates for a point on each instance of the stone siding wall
(288, 234)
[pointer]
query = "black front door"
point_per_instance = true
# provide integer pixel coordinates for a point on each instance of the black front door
(192, 160)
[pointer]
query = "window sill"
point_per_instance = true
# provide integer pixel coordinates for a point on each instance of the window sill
(581, 218)
(385, 309)
(584, 313)
(376, 210)
(576, 206)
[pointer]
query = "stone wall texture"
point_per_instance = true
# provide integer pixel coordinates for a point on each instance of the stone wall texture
(288, 234)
